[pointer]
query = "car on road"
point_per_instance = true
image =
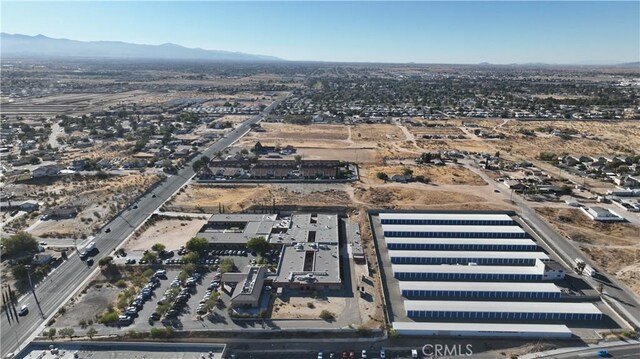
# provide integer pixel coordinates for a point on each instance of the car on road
(363, 355)
(414, 353)
(320, 355)
(135, 206)
(603, 353)
(496, 190)
(383, 355)
(108, 230)
(43, 243)
(83, 255)
(153, 196)
(89, 262)
(24, 310)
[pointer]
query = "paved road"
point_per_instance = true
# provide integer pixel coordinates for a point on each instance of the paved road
(61, 284)
(630, 350)
(622, 298)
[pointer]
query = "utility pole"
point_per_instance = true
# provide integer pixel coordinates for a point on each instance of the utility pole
(28, 267)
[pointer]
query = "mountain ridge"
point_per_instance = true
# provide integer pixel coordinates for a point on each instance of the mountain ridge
(17, 45)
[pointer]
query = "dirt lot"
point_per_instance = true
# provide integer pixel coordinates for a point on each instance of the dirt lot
(287, 307)
(614, 246)
(173, 233)
(86, 306)
(234, 198)
(437, 174)
(97, 200)
(413, 198)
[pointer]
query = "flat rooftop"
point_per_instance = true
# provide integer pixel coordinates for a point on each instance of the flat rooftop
(322, 228)
(242, 217)
(325, 267)
(480, 286)
(450, 229)
(410, 268)
(446, 216)
(482, 327)
(508, 307)
(468, 254)
(505, 241)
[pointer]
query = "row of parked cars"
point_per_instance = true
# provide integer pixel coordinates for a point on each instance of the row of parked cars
(145, 294)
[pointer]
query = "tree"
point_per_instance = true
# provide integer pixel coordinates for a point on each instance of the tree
(407, 171)
(191, 257)
(67, 332)
(158, 247)
(327, 315)
(50, 333)
(91, 332)
(106, 261)
(19, 272)
(227, 265)
(297, 158)
(383, 176)
(150, 256)
(197, 244)
(258, 244)
(20, 243)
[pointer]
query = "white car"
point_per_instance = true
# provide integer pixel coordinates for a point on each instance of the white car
(383, 355)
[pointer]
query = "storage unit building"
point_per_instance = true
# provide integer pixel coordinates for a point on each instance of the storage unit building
(432, 309)
(484, 290)
(491, 330)
(526, 258)
(452, 231)
(455, 219)
(468, 272)
(461, 244)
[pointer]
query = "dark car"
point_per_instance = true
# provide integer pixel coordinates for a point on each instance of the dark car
(83, 255)
(153, 196)
(89, 262)
(107, 230)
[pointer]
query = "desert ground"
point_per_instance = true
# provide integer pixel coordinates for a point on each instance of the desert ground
(173, 233)
(614, 246)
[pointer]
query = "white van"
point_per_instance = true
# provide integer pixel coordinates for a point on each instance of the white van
(90, 247)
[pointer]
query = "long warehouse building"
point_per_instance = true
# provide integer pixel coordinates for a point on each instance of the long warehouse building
(491, 330)
(455, 219)
(452, 231)
(480, 290)
(527, 258)
(433, 309)
(461, 244)
(540, 271)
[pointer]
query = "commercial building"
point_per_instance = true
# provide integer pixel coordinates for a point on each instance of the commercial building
(433, 309)
(461, 244)
(602, 214)
(492, 330)
(249, 288)
(526, 258)
(452, 231)
(538, 272)
(454, 219)
(310, 256)
(480, 290)
(234, 230)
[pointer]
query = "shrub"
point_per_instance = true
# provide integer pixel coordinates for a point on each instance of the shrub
(327, 315)
(310, 305)
(121, 283)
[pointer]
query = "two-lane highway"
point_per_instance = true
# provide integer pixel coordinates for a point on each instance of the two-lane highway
(64, 281)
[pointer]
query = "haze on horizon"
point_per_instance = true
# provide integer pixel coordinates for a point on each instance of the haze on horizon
(398, 32)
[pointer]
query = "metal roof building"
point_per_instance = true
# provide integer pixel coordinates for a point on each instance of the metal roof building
(446, 218)
(483, 329)
(452, 231)
(469, 272)
(501, 310)
(526, 258)
(461, 244)
(480, 290)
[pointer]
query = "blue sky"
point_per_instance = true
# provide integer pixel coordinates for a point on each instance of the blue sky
(426, 32)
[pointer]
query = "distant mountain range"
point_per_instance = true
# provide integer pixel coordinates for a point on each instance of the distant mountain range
(16, 45)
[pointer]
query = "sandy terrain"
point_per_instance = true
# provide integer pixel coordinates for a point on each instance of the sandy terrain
(235, 198)
(98, 200)
(437, 174)
(614, 246)
(286, 307)
(173, 233)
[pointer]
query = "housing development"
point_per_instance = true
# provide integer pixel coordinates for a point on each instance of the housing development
(159, 201)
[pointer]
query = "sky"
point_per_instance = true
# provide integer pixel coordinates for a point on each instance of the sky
(559, 32)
